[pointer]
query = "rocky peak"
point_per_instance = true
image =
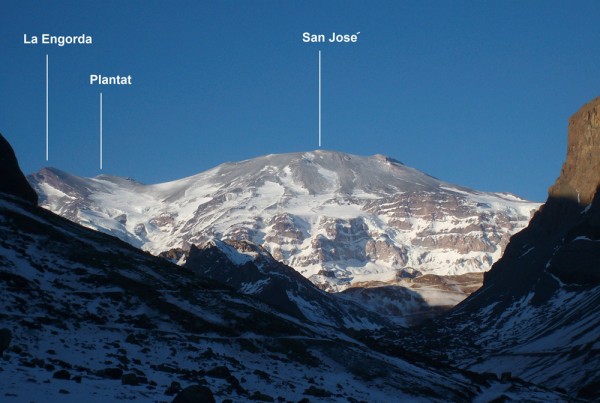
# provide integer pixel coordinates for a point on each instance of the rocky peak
(580, 175)
(12, 179)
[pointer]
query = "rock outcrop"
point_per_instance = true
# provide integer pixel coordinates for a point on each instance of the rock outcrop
(580, 175)
(12, 180)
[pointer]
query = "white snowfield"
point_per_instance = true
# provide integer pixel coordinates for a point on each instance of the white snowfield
(338, 219)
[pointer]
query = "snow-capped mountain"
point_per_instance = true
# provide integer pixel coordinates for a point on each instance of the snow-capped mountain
(87, 317)
(338, 219)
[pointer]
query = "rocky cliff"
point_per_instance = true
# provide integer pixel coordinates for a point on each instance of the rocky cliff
(580, 175)
(560, 243)
(536, 315)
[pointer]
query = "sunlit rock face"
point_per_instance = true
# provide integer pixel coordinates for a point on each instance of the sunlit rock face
(580, 175)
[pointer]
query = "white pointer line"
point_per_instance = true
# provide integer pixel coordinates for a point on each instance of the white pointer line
(46, 107)
(319, 98)
(100, 131)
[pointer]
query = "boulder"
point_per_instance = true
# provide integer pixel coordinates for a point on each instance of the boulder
(5, 339)
(195, 394)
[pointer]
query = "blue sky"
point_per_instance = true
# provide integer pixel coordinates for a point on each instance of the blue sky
(476, 93)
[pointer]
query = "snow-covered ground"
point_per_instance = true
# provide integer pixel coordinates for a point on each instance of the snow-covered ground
(90, 318)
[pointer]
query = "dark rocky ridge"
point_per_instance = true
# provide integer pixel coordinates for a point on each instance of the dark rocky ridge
(12, 180)
(258, 274)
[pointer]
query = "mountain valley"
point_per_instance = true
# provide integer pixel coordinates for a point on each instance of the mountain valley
(87, 317)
